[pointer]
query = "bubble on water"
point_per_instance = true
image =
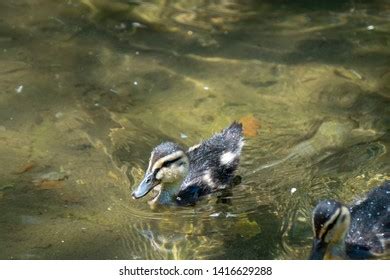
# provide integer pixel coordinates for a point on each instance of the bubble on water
(19, 89)
(293, 190)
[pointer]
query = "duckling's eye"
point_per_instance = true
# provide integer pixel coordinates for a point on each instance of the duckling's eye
(148, 179)
(169, 162)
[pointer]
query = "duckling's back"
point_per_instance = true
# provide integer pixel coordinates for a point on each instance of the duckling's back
(212, 164)
(369, 234)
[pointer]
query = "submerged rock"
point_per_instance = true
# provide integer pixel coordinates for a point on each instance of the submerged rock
(332, 136)
(340, 95)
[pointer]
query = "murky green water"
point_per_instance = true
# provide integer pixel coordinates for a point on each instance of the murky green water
(89, 87)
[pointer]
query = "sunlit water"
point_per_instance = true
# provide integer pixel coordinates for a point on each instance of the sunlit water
(89, 87)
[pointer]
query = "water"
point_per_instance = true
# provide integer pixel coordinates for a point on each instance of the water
(89, 87)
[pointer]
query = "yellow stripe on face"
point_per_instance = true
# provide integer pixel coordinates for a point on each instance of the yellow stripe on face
(326, 225)
(150, 162)
(159, 163)
(341, 227)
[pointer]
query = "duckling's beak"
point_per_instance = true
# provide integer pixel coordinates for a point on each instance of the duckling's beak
(319, 249)
(147, 184)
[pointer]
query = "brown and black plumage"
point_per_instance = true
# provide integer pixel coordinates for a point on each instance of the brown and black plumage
(183, 176)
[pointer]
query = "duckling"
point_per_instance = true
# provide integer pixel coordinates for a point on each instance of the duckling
(361, 231)
(182, 177)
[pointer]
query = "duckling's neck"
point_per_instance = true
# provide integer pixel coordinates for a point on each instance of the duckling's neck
(167, 194)
(336, 251)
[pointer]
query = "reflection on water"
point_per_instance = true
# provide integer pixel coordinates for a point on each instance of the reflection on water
(89, 87)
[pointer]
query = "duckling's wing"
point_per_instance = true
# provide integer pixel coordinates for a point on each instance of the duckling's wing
(369, 234)
(213, 162)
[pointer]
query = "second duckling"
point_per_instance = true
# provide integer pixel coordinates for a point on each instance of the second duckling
(361, 231)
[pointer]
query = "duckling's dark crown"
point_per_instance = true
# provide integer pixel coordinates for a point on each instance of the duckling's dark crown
(166, 148)
(163, 150)
(323, 213)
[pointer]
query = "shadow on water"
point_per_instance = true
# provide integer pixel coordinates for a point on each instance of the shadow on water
(255, 247)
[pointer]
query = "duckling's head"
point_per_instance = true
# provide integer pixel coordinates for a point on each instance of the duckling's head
(168, 166)
(331, 221)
